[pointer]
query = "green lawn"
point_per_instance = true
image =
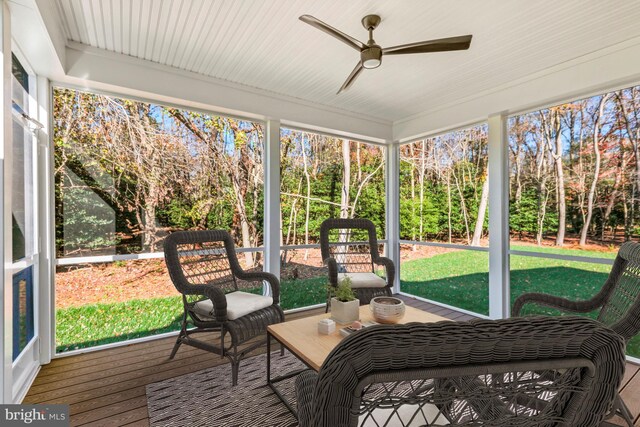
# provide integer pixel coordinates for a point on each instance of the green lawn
(457, 278)
(461, 279)
(97, 324)
(91, 325)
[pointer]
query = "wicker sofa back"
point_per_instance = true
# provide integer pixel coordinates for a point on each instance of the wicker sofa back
(512, 372)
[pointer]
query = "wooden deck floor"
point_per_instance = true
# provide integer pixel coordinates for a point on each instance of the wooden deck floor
(107, 388)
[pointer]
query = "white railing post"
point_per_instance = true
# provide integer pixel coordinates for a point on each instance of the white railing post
(499, 295)
(392, 177)
(272, 232)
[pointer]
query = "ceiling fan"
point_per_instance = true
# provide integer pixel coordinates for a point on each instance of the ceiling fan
(371, 53)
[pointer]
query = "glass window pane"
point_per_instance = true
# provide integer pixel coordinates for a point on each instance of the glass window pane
(444, 190)
(314, 170)
(575, 177)
(23, 325)
(459, 278)
(18, 214)
(21, 76)
(22, 197)
(130, 172)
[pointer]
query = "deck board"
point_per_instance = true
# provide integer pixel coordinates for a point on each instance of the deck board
(107, 387)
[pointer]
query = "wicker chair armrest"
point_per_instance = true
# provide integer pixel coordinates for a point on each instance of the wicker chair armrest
(216, 296)
(333, 271)
(305, 383)
(390, 269)
(260, 276)
(553, 302)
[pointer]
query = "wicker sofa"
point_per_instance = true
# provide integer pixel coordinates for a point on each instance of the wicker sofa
(513, 372)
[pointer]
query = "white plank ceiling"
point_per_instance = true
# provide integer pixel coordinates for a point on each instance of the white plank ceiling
(262, 44)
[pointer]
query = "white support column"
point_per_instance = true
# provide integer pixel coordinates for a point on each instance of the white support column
(499, 301)
(46, 226)
(6, 343)
(392, 178)
(272, 232)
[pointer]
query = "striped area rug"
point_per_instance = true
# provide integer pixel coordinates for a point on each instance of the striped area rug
(206, 398)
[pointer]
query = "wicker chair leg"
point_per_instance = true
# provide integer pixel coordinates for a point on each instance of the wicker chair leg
(176, 347)
(328, 306)
(223, 353)
(183, 334)
(235, 366)
(621, 409)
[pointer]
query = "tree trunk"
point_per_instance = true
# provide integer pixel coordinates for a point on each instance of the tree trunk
(596, 172)
(551, 130)
(449, 205)
(344, 197)
(543, 200)
(615, 191)
(363, 182)
(562, 201)
(582, 175)
(244, 223)
(482, 210)
(308, 206)
(463, 208)
(421, 183)
(543, 194)
(413, 195)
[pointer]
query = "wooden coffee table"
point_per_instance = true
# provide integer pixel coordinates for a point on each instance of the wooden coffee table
(301, 338)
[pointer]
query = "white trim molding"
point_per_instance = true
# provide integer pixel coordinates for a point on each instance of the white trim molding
(99, 69)
(6, 156)
(601, 71)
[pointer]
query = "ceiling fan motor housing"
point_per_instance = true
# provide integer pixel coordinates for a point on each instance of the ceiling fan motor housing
(371, 56)
(371, 53)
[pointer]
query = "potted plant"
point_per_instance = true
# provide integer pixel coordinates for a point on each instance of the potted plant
(345, 307)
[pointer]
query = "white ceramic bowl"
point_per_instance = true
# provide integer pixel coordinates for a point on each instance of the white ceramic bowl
(387, 309)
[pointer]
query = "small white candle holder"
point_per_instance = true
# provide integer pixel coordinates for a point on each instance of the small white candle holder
(326, 326)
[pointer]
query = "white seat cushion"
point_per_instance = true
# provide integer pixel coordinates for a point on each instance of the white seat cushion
(363, 280)
(238, 304)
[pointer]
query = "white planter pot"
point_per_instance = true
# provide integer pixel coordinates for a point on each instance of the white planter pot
(345, 312)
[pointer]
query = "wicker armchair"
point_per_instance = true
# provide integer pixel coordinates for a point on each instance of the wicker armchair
(513, 372)
(617, 304)
(350, 249)
(205, 270)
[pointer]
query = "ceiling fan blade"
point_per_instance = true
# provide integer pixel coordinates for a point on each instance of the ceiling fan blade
(345, 38)
(439, 45)
(352, 77)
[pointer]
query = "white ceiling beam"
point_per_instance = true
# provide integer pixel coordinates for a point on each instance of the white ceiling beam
(99, 69)
(37, 30)
(607, 69)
